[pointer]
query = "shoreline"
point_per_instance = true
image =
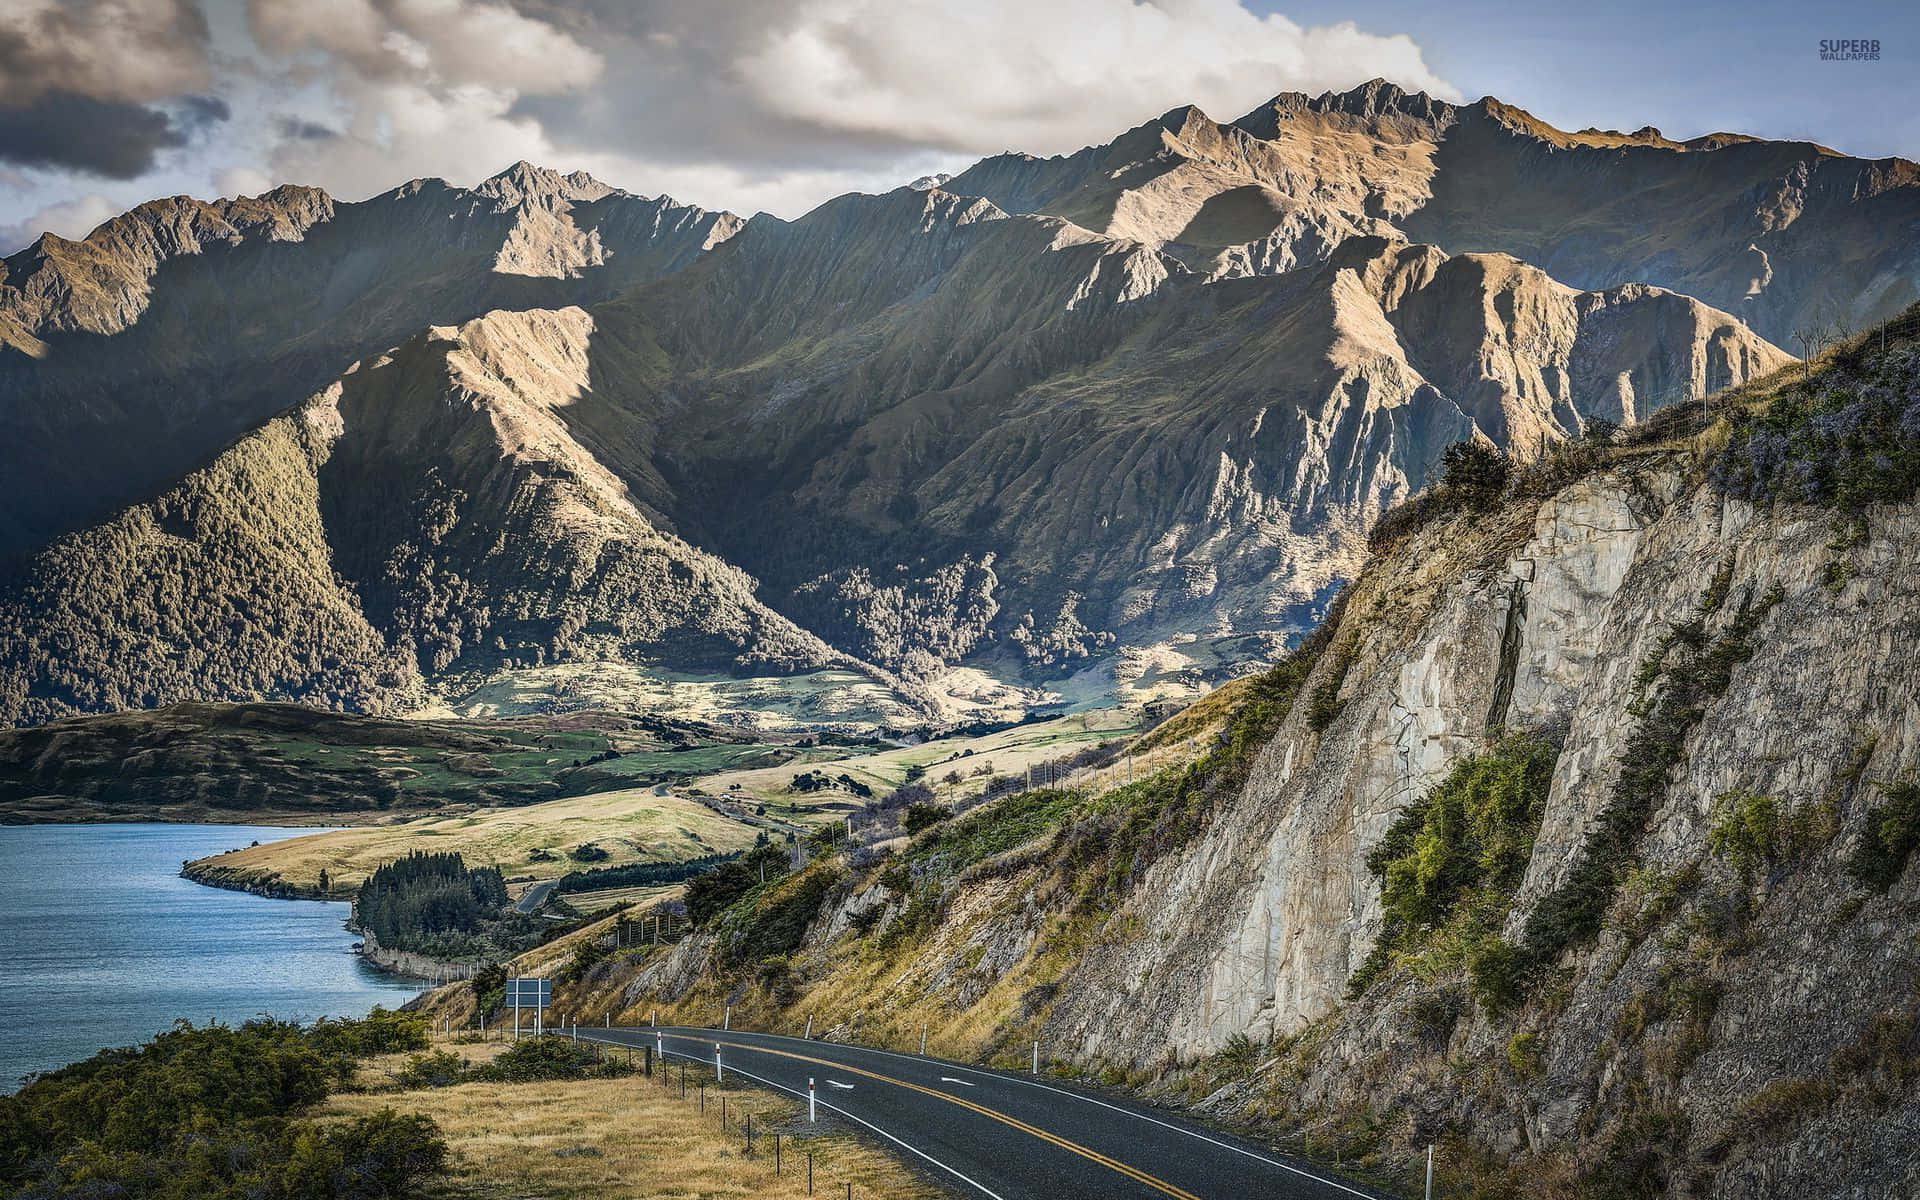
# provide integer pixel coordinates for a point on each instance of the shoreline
(403, 964)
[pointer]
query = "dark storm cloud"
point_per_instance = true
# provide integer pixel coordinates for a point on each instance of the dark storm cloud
(101, 137)
(293, 130)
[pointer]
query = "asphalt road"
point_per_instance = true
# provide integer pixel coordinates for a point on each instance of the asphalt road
(1003, 1135)
(535, 897)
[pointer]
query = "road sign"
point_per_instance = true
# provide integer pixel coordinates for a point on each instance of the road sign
(529, 993)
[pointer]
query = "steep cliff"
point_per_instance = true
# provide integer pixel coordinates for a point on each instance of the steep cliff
(1576, 840)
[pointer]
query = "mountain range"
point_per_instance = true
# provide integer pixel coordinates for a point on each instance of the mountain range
(1056, 423)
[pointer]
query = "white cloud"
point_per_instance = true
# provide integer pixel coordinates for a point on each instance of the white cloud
(242, 181)
(69, 219)
(1045, 78)
(748, 104)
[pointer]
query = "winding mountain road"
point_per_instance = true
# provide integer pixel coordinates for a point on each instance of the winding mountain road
(999, 1134)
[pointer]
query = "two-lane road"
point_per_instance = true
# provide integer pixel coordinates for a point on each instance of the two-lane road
(1001, 1134)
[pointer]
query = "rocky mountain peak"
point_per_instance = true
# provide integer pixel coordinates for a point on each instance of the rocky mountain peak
(525, 183)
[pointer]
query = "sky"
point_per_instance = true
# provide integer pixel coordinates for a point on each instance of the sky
(777, 105)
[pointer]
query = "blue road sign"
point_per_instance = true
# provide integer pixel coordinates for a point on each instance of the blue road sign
(529, 993)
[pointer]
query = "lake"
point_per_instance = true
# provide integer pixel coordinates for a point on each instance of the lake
(107, 945)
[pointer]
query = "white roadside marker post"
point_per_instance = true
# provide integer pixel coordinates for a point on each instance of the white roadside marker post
(1429, 1171)
(923, 1041)
(660, 1044)
(726, 1022)
(811, 1114)
(1036, 1056)
(808, 1036)
(718, 1072)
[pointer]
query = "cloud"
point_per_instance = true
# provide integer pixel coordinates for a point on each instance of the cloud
(796, 82)
(103, 137)
(69, 219)
(749, 104)
(242, 181)
(110, 50)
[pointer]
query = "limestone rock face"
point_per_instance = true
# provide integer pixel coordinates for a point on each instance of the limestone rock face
(1543, 621)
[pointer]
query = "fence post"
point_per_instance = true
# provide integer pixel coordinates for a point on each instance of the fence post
(776, 1152)
(809, 1172)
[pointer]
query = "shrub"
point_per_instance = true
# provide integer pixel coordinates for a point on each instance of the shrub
(1474, 472)
(923, 816)
(1892, 833)
(1752, 831)
(438, 1068)
(205, 1112)
(531, 1060)
(1845, 439)
(1454, 858)
(1525, 1055)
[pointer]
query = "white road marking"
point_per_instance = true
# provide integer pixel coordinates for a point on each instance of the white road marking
(1272, 1162)
(951, 1079)
(908, 1146)
(838, 1084)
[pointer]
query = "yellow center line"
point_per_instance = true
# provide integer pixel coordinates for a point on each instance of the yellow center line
(1074, 1147)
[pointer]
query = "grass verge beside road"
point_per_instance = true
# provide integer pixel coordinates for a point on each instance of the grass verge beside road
(624, 1139)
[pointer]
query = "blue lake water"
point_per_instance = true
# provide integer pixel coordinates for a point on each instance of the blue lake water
(106, 945)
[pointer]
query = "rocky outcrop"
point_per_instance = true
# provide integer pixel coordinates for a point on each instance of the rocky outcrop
(410, 964)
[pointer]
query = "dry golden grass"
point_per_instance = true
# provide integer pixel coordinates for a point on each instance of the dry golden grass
(1007, 752)
(626, 1139)
(631, 825)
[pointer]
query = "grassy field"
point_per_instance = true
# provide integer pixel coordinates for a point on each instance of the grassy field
(974, 760)
(662, 822)
(765, 704)
(282, 762)
(641, 898)
(630, 826)
(624, 1139)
